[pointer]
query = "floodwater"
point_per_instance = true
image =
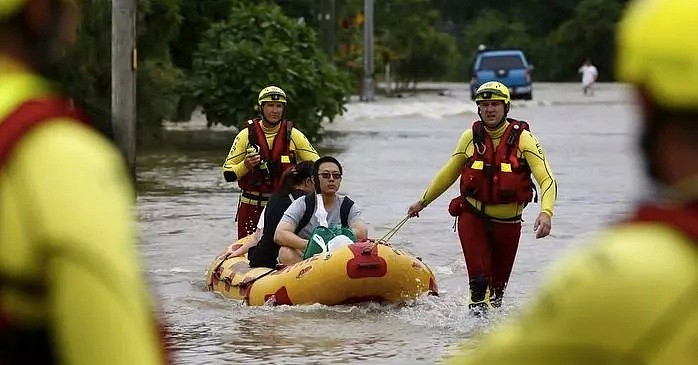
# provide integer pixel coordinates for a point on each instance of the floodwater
(390, 150)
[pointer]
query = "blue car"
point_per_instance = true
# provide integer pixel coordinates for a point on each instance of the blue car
(508, 66)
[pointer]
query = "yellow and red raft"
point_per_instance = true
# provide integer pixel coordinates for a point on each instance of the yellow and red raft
(360, 272)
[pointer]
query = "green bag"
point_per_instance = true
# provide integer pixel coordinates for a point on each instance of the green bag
(327, 239)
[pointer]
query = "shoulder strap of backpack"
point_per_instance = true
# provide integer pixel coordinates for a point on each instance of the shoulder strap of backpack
(310, 202)
(347, 203)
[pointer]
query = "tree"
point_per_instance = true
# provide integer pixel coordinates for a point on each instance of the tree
(588, 34)
(495, 30)
(159, 80)
(196, 17)
(404, 36)
(259, 46)
(86, 70)
(420, 51)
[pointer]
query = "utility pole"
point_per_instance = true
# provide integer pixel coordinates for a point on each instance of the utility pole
(368, 84)
(123, 78)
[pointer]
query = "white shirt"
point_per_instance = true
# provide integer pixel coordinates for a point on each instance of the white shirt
(589, 74)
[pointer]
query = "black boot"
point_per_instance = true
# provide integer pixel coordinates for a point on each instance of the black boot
(479, 300)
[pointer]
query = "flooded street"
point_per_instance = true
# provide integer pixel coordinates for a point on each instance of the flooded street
(390, 151)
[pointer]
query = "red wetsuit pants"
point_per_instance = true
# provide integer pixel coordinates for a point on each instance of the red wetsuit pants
(488, 254)
(248, 217)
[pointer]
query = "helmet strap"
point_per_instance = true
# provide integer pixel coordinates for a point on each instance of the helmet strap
(648, 146)
(648, 136)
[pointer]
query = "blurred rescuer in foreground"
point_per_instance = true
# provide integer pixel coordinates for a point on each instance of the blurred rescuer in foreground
(631, 297)
(71, 290)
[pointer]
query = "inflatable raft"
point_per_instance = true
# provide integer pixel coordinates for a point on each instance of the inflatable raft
(360, 272)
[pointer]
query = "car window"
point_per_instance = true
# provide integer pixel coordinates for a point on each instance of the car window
(501, 62)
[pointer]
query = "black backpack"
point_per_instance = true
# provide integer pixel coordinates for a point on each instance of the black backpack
(311, 202)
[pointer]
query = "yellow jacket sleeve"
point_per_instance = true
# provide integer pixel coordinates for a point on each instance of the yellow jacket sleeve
(77, 203)
(532, 151)
(235, 162)
(451, 170)
(629, 299)
(304, 150)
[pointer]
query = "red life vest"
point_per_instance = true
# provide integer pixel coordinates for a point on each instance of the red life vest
(21, 344)
(31, 114)
(684, 217)
(278, 159)
(497, 176)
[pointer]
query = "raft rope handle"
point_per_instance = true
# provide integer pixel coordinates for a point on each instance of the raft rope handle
(392, 231)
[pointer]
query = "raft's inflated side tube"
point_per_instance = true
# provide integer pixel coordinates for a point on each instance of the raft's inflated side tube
(360, 272)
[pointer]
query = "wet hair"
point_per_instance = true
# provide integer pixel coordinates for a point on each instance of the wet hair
(296, 175)
(41, 48)
(316, 169)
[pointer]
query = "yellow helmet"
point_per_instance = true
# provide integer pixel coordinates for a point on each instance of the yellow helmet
(493, 90)
(8, 8)
(271, 93)
(650, 53)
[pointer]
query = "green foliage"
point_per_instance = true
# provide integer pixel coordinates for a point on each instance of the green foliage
(588, 34)
(495, 30)
(259, 46)
(159, 80)
(219, 53)
(196, 17)
(86, 71)
(404, 36)
(427, 55)
(421, 52)
(157, 24)
(556, 34)
(306, 9)
(349, 53)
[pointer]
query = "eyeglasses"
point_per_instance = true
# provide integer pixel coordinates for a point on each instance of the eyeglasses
(326, 175)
